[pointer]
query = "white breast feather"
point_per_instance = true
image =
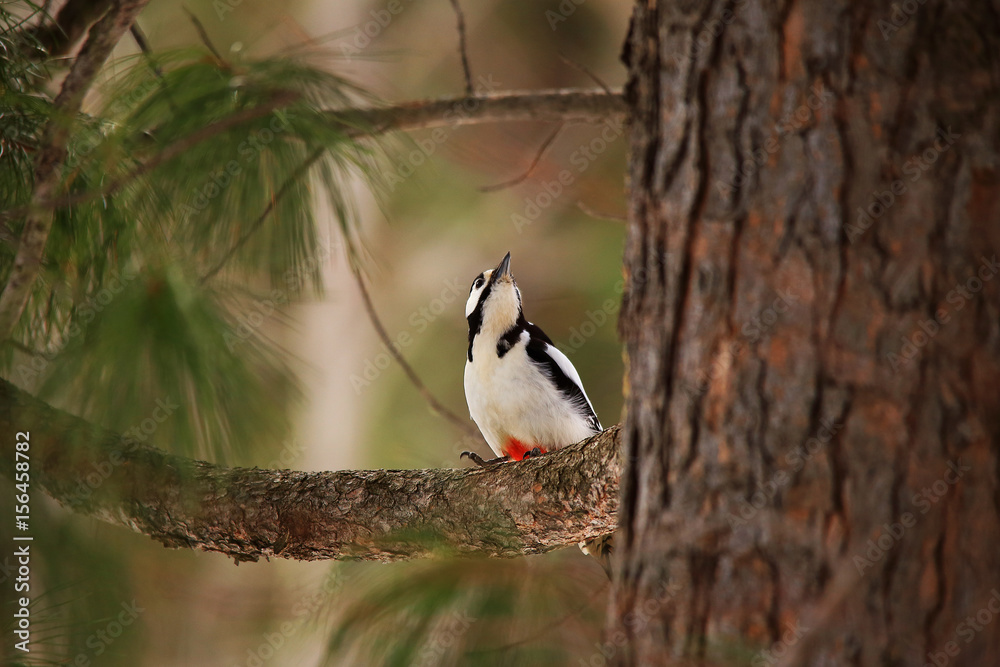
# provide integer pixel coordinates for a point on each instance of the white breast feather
(511, 397)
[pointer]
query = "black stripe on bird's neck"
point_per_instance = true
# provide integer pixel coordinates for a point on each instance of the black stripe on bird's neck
(476, 317)
(510, 337)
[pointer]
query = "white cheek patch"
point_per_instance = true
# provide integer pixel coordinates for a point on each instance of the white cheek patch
(470, 305)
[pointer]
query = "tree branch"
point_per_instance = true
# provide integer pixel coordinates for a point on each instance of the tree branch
(279, 100)
(568, 106)
(586, 71)
(205, 39)
(48, 163)
(505, 510)
(463, 49)
(58, 36)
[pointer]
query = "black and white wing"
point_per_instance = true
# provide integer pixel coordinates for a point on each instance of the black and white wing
(560, 370)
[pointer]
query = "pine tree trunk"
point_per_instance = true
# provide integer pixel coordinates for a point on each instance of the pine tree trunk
(813, 336)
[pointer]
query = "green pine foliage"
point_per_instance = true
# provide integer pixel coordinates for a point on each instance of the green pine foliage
(184, 226)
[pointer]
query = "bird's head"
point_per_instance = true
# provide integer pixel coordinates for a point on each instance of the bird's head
(494, 304)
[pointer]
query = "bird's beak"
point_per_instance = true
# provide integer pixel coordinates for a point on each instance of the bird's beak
(502, 270)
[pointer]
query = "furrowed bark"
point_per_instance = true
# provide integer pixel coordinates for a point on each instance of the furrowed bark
(813, 417)
(503, 511)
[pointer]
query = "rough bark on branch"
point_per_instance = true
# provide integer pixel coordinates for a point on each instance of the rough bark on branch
(506, 510)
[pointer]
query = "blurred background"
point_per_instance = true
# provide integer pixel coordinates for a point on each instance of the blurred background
(425, 237)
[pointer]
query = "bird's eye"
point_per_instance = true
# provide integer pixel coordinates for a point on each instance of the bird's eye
(478, 283)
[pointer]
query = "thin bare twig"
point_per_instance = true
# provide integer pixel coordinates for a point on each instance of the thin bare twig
(435, 405)
(140, 40)
(463, 50)
(203, 34)
(534, 163)
(586, 70)
(259, 222)
(101, 40)
(600, 216)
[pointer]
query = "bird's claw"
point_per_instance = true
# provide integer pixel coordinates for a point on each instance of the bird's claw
(475, 458)
(537, 451)
(479, 460)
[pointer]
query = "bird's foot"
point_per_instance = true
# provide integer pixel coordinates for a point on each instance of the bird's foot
(479, 460)
(537, 451)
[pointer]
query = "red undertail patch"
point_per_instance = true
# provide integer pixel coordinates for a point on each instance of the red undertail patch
(516, 449)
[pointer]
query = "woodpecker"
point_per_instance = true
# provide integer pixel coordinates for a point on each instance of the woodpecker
(524, 394)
